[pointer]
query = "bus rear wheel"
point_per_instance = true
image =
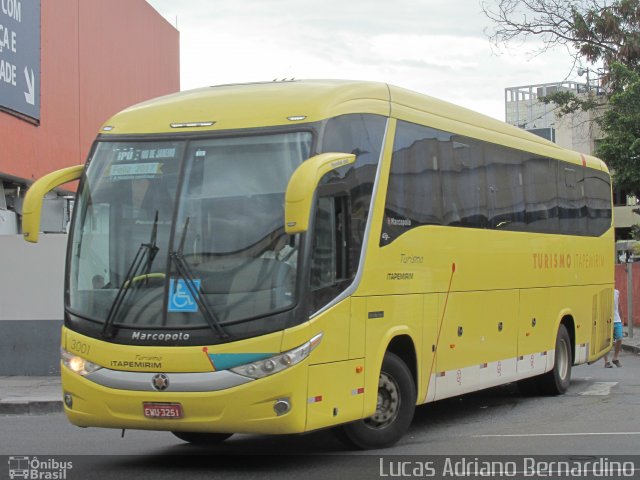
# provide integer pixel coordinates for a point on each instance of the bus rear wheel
(394, 411)
(556, 381)
(199, 438)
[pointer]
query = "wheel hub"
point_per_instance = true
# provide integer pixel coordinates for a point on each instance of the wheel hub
(562, 357)
(388, 404)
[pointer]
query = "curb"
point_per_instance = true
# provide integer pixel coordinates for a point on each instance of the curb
(630, 348)
(30, 407)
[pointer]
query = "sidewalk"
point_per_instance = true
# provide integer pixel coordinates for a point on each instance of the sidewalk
(42, 395)
(631, 344)
(30, 395)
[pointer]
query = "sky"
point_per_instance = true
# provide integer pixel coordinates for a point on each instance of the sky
(435, 47)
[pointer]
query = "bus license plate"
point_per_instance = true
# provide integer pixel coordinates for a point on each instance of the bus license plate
(162, 410)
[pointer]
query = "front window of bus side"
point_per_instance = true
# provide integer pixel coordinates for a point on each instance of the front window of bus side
(224, 262)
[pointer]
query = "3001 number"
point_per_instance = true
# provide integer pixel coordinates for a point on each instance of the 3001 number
(80, 347)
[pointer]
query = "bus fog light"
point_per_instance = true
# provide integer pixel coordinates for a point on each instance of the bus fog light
(68, 400)
(282, 406)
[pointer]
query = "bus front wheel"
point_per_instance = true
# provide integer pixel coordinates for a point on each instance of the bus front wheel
(394, 410)
(199, 438)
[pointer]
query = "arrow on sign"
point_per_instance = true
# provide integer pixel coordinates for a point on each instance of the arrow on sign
(30, 94)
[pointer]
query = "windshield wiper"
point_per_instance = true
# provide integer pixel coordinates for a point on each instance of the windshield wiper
(146, 250)
(152, 246)
(185, 273)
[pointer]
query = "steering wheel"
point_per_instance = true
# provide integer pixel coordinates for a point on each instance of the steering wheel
(145, 276)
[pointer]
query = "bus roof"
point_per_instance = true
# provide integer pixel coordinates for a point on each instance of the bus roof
(253, 105)
(262, 104)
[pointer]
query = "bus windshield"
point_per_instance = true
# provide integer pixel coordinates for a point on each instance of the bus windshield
(179, 234)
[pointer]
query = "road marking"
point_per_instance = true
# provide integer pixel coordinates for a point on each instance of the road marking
(599, 388)
(581, 434)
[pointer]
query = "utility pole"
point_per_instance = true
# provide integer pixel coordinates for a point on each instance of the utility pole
(629, 268)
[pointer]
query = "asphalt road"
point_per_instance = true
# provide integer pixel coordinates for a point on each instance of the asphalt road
(597, 418)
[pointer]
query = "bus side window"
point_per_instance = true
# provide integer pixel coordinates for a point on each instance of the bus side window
(324, 249)
(541, 194)
(598, 201)
(329, 256)
(330, 271)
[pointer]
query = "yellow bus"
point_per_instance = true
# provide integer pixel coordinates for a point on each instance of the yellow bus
(283, 257)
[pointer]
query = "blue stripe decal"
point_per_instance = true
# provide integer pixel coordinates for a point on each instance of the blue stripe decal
(225, 361)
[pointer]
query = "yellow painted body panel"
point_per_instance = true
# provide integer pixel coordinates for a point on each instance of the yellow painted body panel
(536, 320)
(335, 393)
(487, 260)
(479, 327)
(334, 326)
(422, 287)
(358, 327)
(389, 317)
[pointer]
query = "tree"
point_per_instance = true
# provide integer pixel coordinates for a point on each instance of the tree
(597, 32)
(592, 30)
(620, 122)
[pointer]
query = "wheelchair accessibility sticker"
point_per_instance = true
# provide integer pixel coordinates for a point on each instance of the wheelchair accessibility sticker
(180, 297)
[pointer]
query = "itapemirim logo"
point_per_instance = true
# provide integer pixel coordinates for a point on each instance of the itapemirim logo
(38, 469)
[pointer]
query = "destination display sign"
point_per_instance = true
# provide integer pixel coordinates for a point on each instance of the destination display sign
(20, 57)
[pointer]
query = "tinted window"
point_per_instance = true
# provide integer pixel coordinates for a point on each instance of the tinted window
(505, 190)
(540, 193)
(437, 178)
(414, 192)
(572, 210)
(597, 192)
(464, 183)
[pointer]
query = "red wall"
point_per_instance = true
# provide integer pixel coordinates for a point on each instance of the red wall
(97, 57)
(621, 284)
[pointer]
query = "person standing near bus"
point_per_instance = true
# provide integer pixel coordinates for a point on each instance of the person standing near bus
(617, 333)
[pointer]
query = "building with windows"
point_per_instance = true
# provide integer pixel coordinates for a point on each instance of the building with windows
(67, 66)
(524, 108)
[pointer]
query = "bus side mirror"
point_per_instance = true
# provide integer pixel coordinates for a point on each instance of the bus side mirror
(32, 206)
(302, 186)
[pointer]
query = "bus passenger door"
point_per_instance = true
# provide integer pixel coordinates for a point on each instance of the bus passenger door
(602, 322)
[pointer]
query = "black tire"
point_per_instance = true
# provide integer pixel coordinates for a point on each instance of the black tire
(396, 405)
(199, 438)
(556, 381)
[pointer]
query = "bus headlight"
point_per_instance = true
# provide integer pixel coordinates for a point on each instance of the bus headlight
(78, 364)
(277, 363)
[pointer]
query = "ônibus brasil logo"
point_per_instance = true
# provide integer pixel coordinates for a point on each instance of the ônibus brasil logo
(38, 469)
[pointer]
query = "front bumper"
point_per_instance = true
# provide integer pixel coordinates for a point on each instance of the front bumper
(246, 408)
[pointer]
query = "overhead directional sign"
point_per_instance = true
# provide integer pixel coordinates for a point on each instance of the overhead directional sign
(20, 57)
